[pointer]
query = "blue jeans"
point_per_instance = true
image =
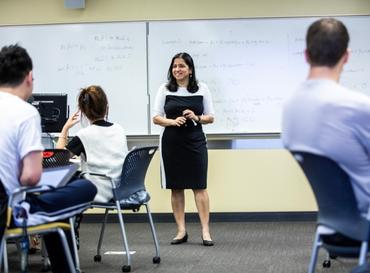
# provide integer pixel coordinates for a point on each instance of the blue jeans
(74, 193)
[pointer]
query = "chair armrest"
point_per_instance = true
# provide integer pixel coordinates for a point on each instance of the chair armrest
(94, 174)
(133, 148)
(22, 191)
(113, 181)
(368, 214)
(29, 189)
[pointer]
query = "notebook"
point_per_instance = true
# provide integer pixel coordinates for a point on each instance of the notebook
(57, 176)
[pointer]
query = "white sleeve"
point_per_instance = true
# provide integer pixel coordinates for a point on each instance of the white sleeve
(207, 101)
(30, 136)
(160, 99)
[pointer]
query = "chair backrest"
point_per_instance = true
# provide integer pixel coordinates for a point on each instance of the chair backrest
(334, 195)
(133, 171)
(55, 158)
(3, 209)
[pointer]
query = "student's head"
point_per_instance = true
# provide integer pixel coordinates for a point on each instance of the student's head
(93, 102)
(327, 42)
(15, 66)
(185, 63)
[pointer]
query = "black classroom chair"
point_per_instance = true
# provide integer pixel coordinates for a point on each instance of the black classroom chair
(129, 194)
(338, 211)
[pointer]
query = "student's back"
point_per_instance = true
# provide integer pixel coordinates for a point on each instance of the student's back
(325, 118)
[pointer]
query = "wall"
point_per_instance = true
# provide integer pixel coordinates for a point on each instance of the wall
(53, 11)
(239, 180)
(245, 181)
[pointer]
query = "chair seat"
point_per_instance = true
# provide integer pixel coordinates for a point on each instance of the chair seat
(134, 201)
(343, 251)
(37, 229)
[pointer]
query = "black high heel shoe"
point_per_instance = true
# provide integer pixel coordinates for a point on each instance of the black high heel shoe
(207, 242)
(181, 240)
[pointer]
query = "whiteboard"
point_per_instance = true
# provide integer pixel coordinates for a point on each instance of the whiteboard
(68, 57)
(250, 65)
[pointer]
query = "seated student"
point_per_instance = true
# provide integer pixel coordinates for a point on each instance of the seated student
(325, 118)
(21, 151)
(102, 145)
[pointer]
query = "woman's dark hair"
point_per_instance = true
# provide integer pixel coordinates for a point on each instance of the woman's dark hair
(172, 83)
(93, 102)
(327, 41)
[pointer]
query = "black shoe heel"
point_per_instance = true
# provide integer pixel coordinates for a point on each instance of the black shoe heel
(181, 240)
(207, 242)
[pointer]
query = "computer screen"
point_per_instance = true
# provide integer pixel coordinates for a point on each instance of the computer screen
(53, 109)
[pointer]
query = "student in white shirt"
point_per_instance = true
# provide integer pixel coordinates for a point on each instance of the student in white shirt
(102, 145)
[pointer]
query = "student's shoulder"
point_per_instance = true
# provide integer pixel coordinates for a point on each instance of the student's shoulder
(118, 127)
(354, 99)
(23, 108)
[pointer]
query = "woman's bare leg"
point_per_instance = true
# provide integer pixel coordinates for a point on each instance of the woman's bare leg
(178, 208)
(202, 203)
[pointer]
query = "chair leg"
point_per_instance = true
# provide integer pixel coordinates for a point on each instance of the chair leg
(156, 259)
(125, 268)
(1, 253)
(315, 249)
(5, 257)
(74, 243)
(363, 252)
(46, 266)
(97, 257)
(66, 250)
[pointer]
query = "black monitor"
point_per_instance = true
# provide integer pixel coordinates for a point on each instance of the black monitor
(53, 109)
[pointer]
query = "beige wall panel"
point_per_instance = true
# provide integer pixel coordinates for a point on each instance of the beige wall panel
(243, 181)
(53, 11)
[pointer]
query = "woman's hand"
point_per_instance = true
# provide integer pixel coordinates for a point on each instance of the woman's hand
(165, 122)
(179, 121)
(73, 120)
(190, 115)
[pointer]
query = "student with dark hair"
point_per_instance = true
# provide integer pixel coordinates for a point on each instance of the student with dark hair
(21, 154)
(181, 107)
(325, 118)
(102, 145)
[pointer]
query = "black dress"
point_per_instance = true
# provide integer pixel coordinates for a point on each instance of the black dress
(184, 149)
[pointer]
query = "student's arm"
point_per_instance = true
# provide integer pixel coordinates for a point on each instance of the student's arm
(30, 149)
(31, 169)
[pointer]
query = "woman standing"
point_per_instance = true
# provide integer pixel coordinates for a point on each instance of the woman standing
(182, 105)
